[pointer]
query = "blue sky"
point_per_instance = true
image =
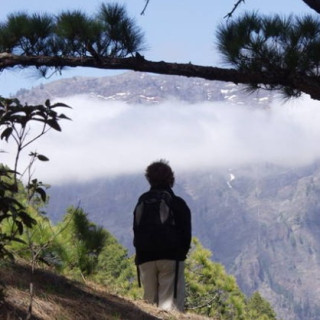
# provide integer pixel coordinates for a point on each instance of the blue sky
(175, 30)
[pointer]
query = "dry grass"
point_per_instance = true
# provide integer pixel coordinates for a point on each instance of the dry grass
(59, 298)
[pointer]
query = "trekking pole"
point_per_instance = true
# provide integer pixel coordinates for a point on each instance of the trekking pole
(138, 276)
(175, 292)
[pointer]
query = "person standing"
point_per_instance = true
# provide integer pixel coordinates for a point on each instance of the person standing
(162, 237)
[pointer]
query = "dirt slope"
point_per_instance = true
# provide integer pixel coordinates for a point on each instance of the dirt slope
(56, 297)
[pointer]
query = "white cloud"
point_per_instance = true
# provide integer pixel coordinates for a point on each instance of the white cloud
(106, 138)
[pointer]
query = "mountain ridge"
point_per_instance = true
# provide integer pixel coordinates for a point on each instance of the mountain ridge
(143, 88)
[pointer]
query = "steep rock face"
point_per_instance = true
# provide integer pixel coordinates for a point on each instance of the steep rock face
(264, 226)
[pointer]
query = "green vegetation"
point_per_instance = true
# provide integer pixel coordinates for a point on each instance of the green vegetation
(15, 120)
(93, 253)
(272, 45)
(109, 33)
(259, 309)
(212, 292)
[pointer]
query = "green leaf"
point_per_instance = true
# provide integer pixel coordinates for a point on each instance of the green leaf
(17, 240)
(60, 104)
(4, 216)
(41, 157)
(63, 116)
(6, 133)
(26, 219)
(42, 194)
(54, 124)
(19, 226)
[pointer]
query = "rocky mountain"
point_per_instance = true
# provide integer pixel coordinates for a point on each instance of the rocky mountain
(261, 221)
(142, 88)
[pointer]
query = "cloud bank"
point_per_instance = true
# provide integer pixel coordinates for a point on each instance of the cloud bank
(110, 138)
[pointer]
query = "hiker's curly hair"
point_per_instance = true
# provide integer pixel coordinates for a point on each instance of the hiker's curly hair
(159, 174)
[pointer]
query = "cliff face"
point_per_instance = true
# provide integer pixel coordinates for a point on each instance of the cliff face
(264, 226)
(261, 221)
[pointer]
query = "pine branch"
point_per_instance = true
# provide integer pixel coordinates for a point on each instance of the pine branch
(93, 52)
(307, 84)
(205, 305)
(145, 7)
(229, 15)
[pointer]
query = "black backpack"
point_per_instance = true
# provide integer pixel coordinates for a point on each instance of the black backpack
(154, 224)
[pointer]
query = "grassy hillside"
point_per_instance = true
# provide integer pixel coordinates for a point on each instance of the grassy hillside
(56, 297)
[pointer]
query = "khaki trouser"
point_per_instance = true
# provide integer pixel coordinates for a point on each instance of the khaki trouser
(157, 278)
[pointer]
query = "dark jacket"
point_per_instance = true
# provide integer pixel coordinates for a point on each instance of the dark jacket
(182, 216)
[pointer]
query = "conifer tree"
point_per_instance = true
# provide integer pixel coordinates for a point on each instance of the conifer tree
(112, 40)
(92, 252)
(283, 47)
(83, 242)
(259, 309)
(116, 269)
(212, 292)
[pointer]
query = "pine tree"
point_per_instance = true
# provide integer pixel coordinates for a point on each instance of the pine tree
(117, 270)
(94, 253)
(259, 309)
(286, 47)
(83, 242)
(269, 52)
(210, 290)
